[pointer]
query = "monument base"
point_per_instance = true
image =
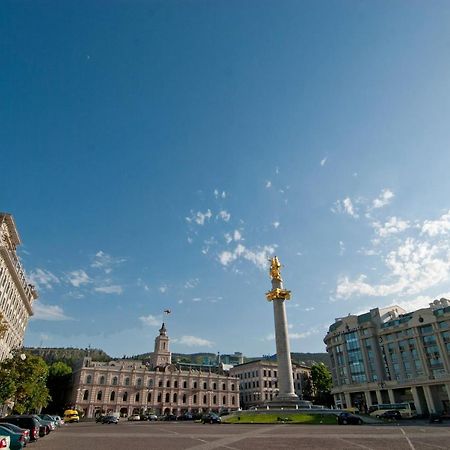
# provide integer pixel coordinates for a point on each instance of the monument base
(285, 401)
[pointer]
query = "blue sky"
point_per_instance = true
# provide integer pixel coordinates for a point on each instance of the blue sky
(156, 154)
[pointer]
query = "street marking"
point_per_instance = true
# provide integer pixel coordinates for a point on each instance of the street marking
(354, 443)
(432, 445)
(407, 438)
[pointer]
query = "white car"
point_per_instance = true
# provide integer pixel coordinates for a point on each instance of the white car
(134, 417)
(5, 441)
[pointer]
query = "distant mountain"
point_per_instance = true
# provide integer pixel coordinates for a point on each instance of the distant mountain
(72, 355)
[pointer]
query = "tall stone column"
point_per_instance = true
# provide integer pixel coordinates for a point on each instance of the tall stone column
(278, 295)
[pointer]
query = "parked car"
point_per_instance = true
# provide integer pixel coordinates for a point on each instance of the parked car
(211, 418)
(25, 421)
(435, 418)
(50, 419)
(59, 420)
(346, 418)
(167, 417)
(17, 441)
(45, 426)
(110, 419)
(390, 415)
(134, 417)
(152, 417)
(25, 432)
(186, 416)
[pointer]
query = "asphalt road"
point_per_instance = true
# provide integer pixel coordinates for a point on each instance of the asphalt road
(193, 436)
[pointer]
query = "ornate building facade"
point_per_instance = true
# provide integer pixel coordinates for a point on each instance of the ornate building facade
(388, 355)
(158, 386)
(258, 381)
(16, 294)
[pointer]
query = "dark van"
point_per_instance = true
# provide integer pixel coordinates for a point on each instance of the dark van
(28, 422)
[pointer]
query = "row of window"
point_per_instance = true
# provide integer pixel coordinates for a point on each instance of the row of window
(137, 397)
(114, 381)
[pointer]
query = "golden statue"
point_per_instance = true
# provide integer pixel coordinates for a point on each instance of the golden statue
(275, 267)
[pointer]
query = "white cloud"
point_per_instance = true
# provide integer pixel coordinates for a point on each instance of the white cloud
(106, 262)
(78, 277)
(268, 184)
(341, 248)
(190, 240)
(163, 289)
(258, 257)
(112, 289)
(436, 227)
(150, 320)
(196, 299)
(384, 199)
(392, 226)
(199, 217)
(190, 284)
(323, 161)
(193, 341)
(42, 278)
(310, 308)
(276, 224)
(224, 215)
(345, 206)
(237, 235)
(48, 312)
(218, 194)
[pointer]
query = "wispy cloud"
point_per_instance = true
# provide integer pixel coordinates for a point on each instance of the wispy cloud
(42, 278)
(393, 226)
(106, 262)
(112, 289)
(192, 283)
(78, 277)
(323, 161)
(199, 217)
(48, 312)
(384, 199)
(276, 224)
(345, 206)
(258, 257)
(193, 341)
(219, 194)
(268, 184)
(224, 215)
(341, 248)
(150, 320)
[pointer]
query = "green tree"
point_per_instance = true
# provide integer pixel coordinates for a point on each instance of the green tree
(322, 383)
(24, 377)
(58, 383)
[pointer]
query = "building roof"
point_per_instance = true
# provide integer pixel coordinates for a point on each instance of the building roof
(8, 218)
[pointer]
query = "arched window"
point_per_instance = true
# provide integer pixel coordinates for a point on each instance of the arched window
(175, 384)
(150, 383)
(89, 379)
(125, 396)
(86, 395)
(175, 397)
(114, 381)
(184, 398)
(184, 385)
(204, 385)
(127, 381)
(204, 399)
(224, 400)
(223, 386)
(160, 383)
(149, 397)
(194, 399)
(139, 382)
(137, 397)
(167, 397)
(232, 387)
(102, 380)
(168, 383)
(99, 395)
(214, 400)
(159, 397)
(214, 386)
(112, 397)
(232, 400)
(195, 385)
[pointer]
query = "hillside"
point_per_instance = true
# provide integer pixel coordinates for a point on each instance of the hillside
(71, 356)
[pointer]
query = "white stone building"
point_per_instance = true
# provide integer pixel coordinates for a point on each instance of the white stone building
(16, 294)
(258, 381)
(392, 356)
(131, 386)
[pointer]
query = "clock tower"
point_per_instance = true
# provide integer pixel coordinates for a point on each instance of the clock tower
(161, 355)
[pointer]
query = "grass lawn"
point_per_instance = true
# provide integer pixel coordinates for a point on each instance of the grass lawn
(310, 419)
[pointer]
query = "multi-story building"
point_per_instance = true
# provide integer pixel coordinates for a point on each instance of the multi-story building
(157, 385)
(16, 294)
(258, 381)
(391, 356)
